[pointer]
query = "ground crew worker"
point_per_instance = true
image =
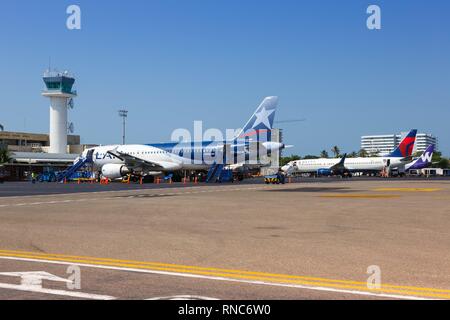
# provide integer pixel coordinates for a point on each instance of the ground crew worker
(33, 177)
(281, 177)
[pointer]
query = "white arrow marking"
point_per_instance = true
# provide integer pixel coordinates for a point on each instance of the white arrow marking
(34, 278)
(32, 282)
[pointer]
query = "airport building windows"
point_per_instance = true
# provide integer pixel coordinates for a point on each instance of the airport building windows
(384, 144)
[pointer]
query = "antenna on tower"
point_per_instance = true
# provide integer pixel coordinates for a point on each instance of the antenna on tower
(71, 104)
(71, 128)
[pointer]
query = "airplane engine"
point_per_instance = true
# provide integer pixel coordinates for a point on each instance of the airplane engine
(115, 171)
(324, 172)
(273, 146)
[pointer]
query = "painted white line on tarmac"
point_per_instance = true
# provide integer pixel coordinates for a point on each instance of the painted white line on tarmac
(123, 190)
(182, 298)
(95, 192)
(197, 276)
(119, 198)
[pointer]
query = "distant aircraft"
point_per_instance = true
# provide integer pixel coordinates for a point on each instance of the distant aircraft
(117, 161)
(423, 161)
(335, 166)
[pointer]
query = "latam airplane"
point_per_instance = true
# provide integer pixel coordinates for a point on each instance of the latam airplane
(398, 158)
(117, 161)
(423, 161)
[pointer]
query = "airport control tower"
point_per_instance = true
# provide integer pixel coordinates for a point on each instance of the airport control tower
(59, 90)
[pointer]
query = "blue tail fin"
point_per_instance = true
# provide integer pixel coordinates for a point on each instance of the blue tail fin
(406, 147)
(262, 120)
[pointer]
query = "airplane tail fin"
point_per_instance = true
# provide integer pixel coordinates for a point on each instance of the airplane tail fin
(426, 157)
(406, 147)
(344, 157)
(339, 168)
(262, 119)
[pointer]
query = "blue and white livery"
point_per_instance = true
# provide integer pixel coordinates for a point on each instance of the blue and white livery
(254, 139)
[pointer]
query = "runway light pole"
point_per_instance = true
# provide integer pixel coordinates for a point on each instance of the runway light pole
(123, 114)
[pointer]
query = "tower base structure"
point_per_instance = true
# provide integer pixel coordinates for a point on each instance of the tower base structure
(59, 90)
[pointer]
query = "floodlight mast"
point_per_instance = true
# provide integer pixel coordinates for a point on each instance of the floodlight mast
(123, 114)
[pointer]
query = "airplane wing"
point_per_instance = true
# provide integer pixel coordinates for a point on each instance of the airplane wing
(133, 162)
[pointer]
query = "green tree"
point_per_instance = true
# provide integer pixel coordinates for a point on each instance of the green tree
(444, 163)
(4, 155)
(437, 156)
(336, 151)
(285, 160)
(363, 153)
(324, 154)
(309, 156)
(352, 155)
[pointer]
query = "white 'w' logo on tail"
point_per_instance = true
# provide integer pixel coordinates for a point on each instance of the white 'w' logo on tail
(427, 157)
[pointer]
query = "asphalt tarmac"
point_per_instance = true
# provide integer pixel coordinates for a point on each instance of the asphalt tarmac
(312, 239)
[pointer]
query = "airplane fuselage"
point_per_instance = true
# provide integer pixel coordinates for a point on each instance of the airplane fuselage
(351, 164)
(176, 156)
(101, 156)
(251, 144)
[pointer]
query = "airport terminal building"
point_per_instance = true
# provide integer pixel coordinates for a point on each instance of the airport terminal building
(35, 142)
(29, 152)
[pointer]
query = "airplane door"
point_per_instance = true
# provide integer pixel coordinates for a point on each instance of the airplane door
(90, 156)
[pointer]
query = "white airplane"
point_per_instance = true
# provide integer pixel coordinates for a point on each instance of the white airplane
(117, 161)
(329, 166)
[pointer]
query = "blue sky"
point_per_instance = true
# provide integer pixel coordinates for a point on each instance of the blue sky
(172, 62)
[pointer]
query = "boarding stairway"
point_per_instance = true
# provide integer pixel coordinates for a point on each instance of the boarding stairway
(79, 163)
(218, 173)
